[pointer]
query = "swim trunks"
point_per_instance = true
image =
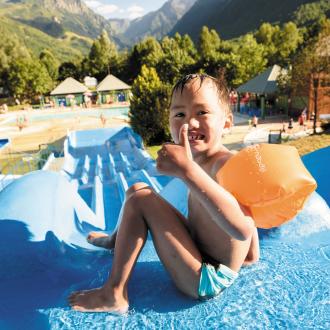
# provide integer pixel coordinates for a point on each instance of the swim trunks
(214, 280)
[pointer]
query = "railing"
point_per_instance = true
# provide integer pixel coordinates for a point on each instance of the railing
(23, 163)
(27, 163)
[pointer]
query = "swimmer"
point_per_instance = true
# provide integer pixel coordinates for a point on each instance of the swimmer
(204, 252)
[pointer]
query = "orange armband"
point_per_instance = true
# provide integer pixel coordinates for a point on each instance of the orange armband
(270, 180)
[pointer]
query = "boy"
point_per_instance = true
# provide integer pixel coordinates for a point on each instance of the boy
(204, 252)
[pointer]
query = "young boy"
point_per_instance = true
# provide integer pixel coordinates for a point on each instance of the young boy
(203, 253)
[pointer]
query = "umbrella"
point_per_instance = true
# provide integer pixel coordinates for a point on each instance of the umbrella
(70, 96)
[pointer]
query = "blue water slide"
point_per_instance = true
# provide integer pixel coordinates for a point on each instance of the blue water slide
(44, 220)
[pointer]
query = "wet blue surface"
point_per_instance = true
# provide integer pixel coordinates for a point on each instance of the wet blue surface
(44, 257)
(4, 143)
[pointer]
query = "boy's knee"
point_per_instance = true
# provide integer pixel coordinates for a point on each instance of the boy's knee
(139, 186)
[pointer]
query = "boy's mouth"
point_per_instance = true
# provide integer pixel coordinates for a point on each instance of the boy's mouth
(195, 137)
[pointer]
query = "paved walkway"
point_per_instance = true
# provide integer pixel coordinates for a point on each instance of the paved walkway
(242, 134)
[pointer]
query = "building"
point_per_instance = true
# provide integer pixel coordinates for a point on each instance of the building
(69, 92)
(264, 97)
(112, 90)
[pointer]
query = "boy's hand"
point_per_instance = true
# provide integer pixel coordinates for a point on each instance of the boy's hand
(174, 159)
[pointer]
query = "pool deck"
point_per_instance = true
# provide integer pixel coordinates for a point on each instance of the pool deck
(49, 131)
(52, 130)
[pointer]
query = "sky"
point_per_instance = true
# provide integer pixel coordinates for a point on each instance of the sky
(124, 8)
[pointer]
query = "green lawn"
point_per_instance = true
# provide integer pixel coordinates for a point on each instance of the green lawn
(310, 143)
(152, 150)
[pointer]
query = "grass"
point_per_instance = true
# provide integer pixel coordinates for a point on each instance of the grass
(310, 143)
(20, 165)
(152, 150)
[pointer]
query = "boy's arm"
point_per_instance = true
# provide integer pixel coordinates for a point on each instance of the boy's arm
(254, 253)
(221, 205)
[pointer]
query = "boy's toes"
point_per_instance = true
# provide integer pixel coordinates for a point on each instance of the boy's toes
(73, 297)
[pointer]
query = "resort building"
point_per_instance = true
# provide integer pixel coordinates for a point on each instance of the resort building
(69, 92)
(112, 90)
(261, 96)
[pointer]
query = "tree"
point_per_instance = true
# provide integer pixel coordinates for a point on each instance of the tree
(280, 45)
(244, 60)
(287, 42)
(28, 79)
(266, 35)
(48, 60)
(311, 66)
(309, 13)
(102, 57)
(68, 69)
(177, 59)
(147, 52)
(209, 44)
(149, 107)
(10, 51)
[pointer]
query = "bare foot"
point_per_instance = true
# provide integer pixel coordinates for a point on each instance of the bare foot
(97, 300)
(101, 240)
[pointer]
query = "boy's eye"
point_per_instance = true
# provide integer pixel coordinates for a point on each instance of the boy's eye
(202, 112)
(179, 114)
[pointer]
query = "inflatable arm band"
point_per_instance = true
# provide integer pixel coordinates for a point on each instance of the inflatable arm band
(270, 180)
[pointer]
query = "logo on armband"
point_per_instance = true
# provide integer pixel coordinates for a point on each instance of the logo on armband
(255, 150)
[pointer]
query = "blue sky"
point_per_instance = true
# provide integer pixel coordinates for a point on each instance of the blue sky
(124, 8)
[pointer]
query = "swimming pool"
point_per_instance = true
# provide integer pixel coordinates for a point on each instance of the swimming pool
(37, 116)
(44, 256)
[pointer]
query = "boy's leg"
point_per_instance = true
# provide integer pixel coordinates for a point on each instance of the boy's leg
(101, 239)
(144, 210)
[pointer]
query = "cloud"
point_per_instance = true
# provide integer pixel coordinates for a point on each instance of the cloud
(135, 11)
(107, 10)
(102, 9)
(112, 10)
(93, 4)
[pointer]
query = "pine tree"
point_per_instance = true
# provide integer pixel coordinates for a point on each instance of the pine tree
(149, 107)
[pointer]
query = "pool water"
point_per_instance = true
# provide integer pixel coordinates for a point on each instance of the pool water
(107, 113)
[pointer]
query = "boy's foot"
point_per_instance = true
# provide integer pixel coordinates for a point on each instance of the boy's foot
(101, 240)
(97, 300)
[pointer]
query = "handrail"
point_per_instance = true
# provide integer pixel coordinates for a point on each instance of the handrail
(26, 163)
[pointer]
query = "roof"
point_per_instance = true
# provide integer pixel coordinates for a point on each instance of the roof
(69, 86)
(111, 83)
(264, 83)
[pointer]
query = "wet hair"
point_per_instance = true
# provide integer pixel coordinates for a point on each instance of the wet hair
(219, 83)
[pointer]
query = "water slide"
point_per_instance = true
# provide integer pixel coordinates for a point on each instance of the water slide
(44, 217)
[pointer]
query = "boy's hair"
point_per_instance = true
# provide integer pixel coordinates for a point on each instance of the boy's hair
(219, 83)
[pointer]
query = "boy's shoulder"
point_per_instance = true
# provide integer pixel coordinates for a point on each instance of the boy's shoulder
(221, 159)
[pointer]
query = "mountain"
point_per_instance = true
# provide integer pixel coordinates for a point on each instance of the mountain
(158, 23)
(233, 18)
(66, 27)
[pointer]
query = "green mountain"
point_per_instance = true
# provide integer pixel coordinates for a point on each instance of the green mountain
(157, 24)
(65, 27)
(233, 18)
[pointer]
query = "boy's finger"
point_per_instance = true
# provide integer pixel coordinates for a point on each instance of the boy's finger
(184, 139)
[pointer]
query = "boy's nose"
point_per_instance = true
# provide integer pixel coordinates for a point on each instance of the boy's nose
(193, 122)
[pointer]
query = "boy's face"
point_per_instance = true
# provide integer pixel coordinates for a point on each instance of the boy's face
(200, 108)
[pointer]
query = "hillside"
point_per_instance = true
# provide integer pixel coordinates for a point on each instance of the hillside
(65, 27)
(69, 47)
(233, 18)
